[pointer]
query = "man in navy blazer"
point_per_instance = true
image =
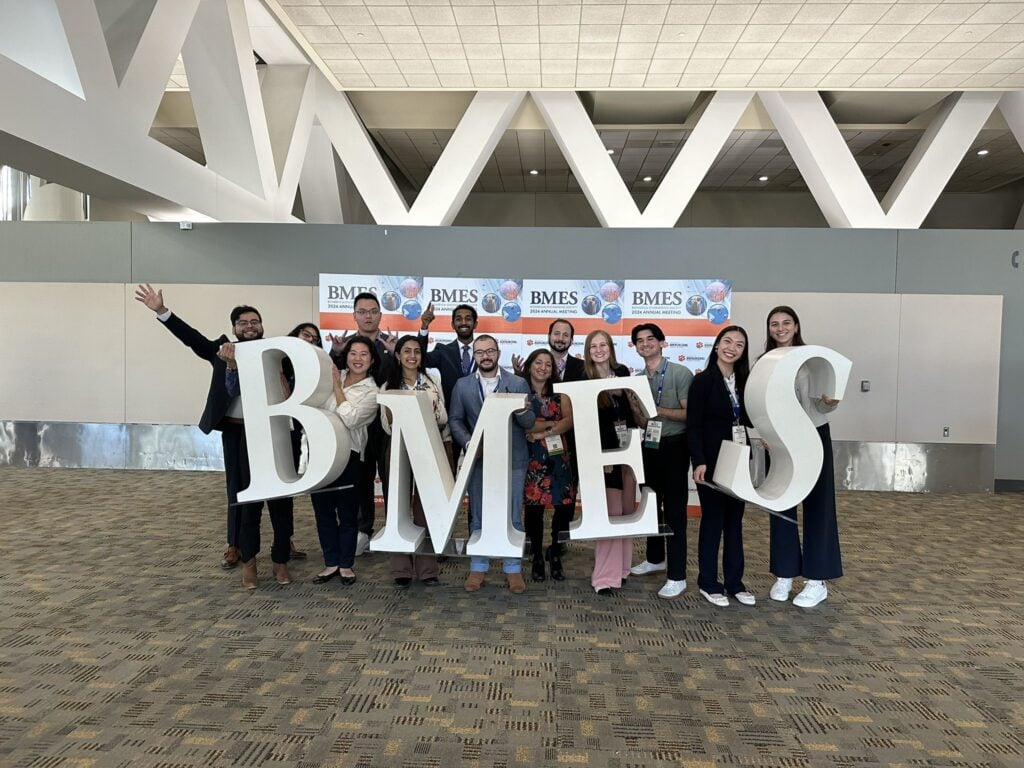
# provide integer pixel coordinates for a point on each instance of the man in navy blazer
(454, 359)
(467, 401)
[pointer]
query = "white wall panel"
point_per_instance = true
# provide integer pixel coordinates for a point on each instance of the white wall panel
(166, 382)
(861, 326)
(949, 368)
(62, 348)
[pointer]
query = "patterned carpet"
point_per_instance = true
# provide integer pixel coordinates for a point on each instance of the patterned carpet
(123, 643)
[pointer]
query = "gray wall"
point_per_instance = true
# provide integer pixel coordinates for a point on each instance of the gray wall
(758, 260)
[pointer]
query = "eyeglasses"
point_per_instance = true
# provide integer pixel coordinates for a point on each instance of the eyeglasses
(485, 353)
(366, 312)
(248, 323)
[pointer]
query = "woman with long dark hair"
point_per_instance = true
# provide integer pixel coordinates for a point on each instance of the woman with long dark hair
(716, 414)
(549, 475)
(820, 559)
(354, 399)
(612, 557)
(411, 375)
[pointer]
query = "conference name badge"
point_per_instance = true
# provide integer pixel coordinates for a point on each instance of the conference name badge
(739, 434)
(554, 445)
(622, 432)
(652, 437)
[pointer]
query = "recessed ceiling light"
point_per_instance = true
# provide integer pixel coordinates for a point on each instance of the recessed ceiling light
(647, 178)
(360, 34)
(534, 171)
(982, 152)
(611, 151)
(762, 178)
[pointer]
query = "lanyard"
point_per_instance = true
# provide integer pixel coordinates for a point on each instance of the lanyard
(734, 400)
(661, 382)
(419, 383)
(480, 386)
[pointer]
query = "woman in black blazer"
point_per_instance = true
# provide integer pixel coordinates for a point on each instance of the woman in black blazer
(714, 411)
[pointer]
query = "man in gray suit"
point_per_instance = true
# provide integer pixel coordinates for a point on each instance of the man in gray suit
(467, 400)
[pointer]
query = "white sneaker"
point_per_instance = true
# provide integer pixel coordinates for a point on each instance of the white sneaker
(745, 598)
(780, 590)
(362, 543)
(813, 593)
(716, 599)
(672, 589)
(646, 568)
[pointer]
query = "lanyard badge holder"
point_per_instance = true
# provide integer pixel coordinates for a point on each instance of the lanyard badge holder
(652, 435)
(739, 432)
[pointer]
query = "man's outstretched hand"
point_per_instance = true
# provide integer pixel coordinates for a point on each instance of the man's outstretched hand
(151, 298)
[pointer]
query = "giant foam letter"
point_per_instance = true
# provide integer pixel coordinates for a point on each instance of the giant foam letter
(268, 418)
(782, 423)
(594, 522)
(416, 451)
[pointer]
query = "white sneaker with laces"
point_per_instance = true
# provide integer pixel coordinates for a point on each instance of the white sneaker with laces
(672, 589)
(362, 543)
(716, 599)
(745, 598)
(646, 568)
(814, 592)
(781, 589)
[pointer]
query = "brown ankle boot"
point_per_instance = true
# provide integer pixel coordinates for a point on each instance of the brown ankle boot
(249, 580)
(281, 575)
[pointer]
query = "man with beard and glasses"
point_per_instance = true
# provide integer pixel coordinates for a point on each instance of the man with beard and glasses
(560, 335)
(223, 413)
(467, 403)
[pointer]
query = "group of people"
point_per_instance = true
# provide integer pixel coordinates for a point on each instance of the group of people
(694, 415)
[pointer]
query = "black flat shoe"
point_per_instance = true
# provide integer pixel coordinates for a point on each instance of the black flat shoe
(606, 591)
(433, 581)
(538, 569)
(557, 574)
(402, 582)
(323, 578)
(348, 581)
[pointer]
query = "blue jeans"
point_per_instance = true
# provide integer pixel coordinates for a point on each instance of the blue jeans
(517, 479)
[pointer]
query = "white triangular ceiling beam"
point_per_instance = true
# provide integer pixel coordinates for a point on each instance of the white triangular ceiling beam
(88, 48)
(600, 179)
(226, 96)
(451, 179)
(836, 181)
(290, 98)
(319, 182)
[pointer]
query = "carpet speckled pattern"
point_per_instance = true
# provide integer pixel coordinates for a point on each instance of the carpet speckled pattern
(123, 643)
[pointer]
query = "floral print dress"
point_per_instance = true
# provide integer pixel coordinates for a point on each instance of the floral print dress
(549, 479)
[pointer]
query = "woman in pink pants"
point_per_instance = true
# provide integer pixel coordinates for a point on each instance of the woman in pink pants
(612, 557)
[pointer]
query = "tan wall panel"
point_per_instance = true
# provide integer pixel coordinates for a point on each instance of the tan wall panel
(166, 382)
(861, 326)
(949, 368)
(63, 349)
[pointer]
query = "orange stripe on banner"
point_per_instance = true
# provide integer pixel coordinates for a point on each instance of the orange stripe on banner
(343, 321)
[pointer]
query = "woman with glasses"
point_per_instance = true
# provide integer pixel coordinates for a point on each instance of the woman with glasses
(820, 559)
(549, 475)
(715, 414)
(612, 557)
(410, 375)
(354, 399)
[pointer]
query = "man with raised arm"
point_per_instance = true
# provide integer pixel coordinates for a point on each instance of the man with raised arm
(223, 412)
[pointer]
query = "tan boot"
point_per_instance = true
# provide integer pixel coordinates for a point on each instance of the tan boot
(516, 584)
(474, 581)
(249, 579)
(281, 575)
(230, 559)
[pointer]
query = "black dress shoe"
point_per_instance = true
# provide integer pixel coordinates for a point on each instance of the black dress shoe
(323, 578)
(402, 582)
(538, 569)
(433, 581)
(557, 573)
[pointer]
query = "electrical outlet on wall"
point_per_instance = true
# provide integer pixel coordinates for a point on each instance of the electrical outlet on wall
(945, 431)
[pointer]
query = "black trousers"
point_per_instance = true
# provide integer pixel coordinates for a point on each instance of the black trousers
(375, 461)
(534, 525)
(665, 472)
(721, 519)
(244, 519)
(820, 558)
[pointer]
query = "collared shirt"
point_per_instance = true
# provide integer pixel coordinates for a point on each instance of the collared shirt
(674, 391)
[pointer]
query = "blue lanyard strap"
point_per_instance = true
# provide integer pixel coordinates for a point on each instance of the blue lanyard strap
(661, 382)
(734, 400)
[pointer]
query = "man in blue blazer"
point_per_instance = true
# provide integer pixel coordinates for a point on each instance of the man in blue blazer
(467, 400)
